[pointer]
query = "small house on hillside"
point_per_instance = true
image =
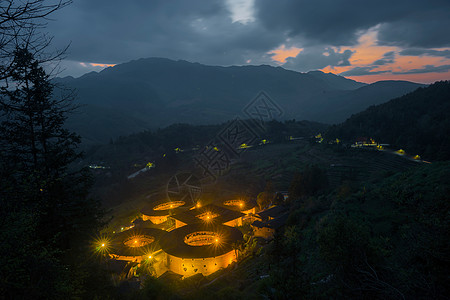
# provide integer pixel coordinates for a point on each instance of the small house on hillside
(267, 229)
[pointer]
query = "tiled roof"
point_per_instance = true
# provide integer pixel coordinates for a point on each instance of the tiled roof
(173, 243)
(223, 214)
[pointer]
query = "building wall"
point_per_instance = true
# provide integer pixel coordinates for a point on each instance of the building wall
(234, 223)
(191, 266)
(126, 258)
(250, 211)
(179, 224)
(266, 233)
(249, 219)
(155, 219)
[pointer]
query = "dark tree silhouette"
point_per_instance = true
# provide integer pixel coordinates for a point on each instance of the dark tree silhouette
(20, 22)
(309, 182)
(46, 217)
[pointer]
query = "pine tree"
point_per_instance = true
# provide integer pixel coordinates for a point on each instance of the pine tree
(39, 180)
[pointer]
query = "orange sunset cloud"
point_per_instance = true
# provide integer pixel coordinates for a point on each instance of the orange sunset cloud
(102, 65)
(372, 62)
(282, 53)
(367, 52)
(86, 65)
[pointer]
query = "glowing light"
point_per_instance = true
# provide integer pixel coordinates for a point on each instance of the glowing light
(149, 256)
(169, 205)
(138, 240)
(198, 204)
(244, 146)
(207, 216)
(101, 244)
(201, 238)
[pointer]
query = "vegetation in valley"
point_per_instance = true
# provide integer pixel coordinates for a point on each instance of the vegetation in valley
(418, 122)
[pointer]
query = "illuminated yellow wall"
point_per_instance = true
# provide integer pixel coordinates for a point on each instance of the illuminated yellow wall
(250, 211)
(126, 258)
(234, 223)
(191, 266)
(179, 224)
(155, 219)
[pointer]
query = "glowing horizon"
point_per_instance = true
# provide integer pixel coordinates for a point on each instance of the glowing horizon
(88, 64)
(371, 62)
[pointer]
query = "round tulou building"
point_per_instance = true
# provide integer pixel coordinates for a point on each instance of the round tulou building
(200, 248)
(135, 244)
(200, 239)
(159, 212)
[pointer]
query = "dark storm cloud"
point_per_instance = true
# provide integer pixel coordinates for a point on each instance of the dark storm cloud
(388, 58)
(317, 58)
(427, 27)
(117, 31)
(427, 52)
(112, 31)
(361, 71)
(414, 22)
(427, 69)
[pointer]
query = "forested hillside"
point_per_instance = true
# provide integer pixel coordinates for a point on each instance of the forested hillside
(378, 240)
(418, 122)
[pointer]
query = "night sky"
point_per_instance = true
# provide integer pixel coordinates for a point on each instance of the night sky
(363, 40)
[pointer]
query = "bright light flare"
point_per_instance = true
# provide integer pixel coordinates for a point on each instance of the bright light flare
(102, 244)
(149, 258)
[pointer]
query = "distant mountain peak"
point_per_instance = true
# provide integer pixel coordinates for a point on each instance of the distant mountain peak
(156, 92)
(336, 81)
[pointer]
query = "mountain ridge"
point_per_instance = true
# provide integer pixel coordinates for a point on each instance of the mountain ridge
(157, 92)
